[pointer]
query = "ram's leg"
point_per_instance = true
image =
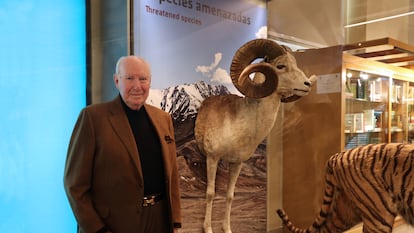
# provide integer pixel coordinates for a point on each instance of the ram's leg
(210, 192)
(234, 171)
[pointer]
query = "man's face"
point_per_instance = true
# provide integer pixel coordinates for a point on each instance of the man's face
(133, 82)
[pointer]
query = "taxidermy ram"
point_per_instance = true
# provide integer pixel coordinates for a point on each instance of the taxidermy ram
(230, 127)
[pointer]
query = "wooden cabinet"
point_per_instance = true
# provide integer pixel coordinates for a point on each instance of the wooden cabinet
(359, 98)
(378, 101)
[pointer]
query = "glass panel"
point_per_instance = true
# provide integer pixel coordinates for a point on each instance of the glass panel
(365, 108)
(410, 112)
(398, 115)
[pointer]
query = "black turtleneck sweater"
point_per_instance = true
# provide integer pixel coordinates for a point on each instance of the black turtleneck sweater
(149, 148)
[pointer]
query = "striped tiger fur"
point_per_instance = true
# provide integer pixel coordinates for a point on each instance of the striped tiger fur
(371, 184)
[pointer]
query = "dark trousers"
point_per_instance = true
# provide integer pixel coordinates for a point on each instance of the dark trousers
(155, 219)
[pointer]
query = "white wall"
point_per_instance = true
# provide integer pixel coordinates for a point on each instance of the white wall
(318, 21)
(397, 28)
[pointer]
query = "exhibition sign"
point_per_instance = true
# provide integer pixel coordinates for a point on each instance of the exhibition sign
(190, 45)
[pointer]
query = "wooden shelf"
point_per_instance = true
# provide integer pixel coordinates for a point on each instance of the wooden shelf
(385, 50)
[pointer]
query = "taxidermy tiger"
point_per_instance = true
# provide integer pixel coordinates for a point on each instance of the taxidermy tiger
(371, 184)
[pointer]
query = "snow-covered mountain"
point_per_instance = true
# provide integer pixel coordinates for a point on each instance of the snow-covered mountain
(183, 101)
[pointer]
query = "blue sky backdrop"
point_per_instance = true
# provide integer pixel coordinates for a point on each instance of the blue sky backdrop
(201, 48)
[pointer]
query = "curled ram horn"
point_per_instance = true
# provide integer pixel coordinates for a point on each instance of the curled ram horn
(241, 67)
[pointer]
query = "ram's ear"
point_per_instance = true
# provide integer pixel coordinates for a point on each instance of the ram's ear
(289, 50)
(312, 79)
(241, 67)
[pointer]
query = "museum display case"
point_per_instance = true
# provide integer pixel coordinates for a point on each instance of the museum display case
(377, 89)
(378, 108)
(364, 94)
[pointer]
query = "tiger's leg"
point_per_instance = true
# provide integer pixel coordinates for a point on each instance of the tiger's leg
(406, 208)
(376, 213)
(343, 215)
(377, 209)
(372, 224)
(375, 206)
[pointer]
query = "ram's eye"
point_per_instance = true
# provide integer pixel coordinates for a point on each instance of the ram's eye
(281, 67)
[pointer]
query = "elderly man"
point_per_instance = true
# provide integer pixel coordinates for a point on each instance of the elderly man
(121, 173)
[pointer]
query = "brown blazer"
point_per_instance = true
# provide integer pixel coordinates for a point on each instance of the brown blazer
(103, 177)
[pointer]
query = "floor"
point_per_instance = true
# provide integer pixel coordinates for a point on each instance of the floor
(399, 227)
(404, 229)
